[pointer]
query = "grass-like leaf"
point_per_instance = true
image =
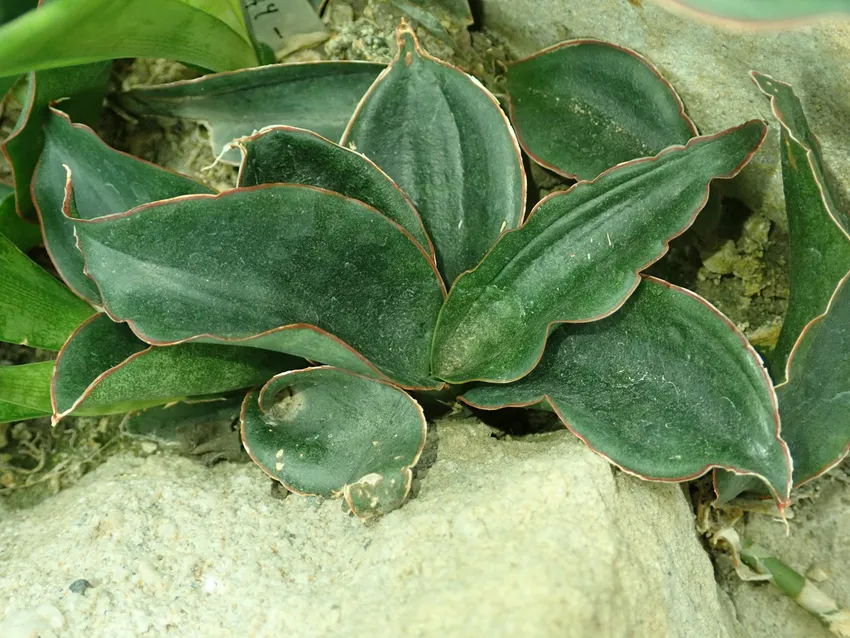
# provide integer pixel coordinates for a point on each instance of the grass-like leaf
(577, 257)
(208, 33)
(286, 155)
(105, 181)
(25, 391)
(319, 96)
(446, 142)
(582, 106)
(819, 231)
(21, 232)
(666, 388)
(328, 432)
(259, 263)
(35, 309)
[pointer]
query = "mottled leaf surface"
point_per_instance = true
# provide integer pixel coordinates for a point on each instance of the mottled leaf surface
(105, 181)
(287, 155)
(577, 256)
(35, 309)
(319, 96)
(250, 261)
(819, 231)
(104, 366)
(444, 140)
(582, 106)
(666, 388)
(320, 430)
(766, 10)
(25, 391)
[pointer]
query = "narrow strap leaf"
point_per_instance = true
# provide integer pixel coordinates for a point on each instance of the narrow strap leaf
(577, 256)
(319, 96)
(286, 155)
(105, 369)
(25, 391)
(444, 140)
(262, 262)
(200, 32)
(327, 432)
(21, 232)
(666, 388)
(35, 309)
(583, 106)
(819, 231)
(105, 181)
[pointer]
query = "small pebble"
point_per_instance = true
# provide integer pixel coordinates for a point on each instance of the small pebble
(80, 586)
(149, 447)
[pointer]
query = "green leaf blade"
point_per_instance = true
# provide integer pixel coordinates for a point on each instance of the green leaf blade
(286, 155)
(577, 257)
(443, 138)
(21, 232)
(25, 391)
(324, 431)
(666, 388)
(293, 257)
(35, 309)
(317, 96)
(580, 85)
(105, 181)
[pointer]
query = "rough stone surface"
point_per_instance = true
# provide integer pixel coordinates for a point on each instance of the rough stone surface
(709, 66)
(533, 537)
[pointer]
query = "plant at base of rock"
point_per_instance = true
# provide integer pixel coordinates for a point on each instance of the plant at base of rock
(345, 283)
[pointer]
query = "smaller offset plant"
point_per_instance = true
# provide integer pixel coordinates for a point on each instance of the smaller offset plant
(346, 282)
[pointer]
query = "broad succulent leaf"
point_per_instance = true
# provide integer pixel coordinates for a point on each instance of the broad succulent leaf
(577, 257)
(270, 264)
(165, 423)
(104, 368)
(105, 181)
(819, 231)
(318, 96)
(286, 155)
(666, 388)
(25, 391)
(814, 402)
(208, 33)
(21, 232)
(35, 309)
(85, 86)
(765, 10)
(582, 106)
(325, 431)
(446, 142)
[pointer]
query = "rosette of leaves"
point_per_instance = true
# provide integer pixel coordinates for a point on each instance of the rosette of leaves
(344, 282)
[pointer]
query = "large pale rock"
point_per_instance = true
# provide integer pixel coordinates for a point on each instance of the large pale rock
(537, 537)
(709, 66)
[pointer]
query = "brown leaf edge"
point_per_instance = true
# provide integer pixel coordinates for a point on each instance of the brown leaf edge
(811, 153)
(218, 152)
(341, 492)
(403, 29)
(236, 340)
(782, 500)
(241, 141)
(571, 43)
(66, 202)
(666, 242)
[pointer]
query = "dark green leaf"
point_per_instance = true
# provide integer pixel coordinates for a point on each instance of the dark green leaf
(582, 106)
(165, 423)
(35, 309)
(819, 231)
(242, 265)
(25, 391)
(105, 182)
(666, 388)
(444, 140)
(105, 369)
(766, 10)
(24, 234)
(208, 33)
(85, 85)
(317, 96)
(287, 155)
(11, 9)
(577, 257)
(324, 431)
